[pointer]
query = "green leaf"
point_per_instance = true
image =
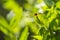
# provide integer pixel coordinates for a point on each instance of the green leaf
(24, 34)
(34, 28)
(4, 27)
(49, 2)
(38, 37)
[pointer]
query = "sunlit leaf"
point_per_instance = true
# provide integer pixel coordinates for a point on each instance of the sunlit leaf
(24, 34)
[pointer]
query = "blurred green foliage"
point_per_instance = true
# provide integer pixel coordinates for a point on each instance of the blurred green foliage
(29, 19)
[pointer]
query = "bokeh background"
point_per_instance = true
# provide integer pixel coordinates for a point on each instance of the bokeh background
(29, 19)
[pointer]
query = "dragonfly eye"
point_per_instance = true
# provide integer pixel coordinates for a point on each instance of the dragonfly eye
(35, 14)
